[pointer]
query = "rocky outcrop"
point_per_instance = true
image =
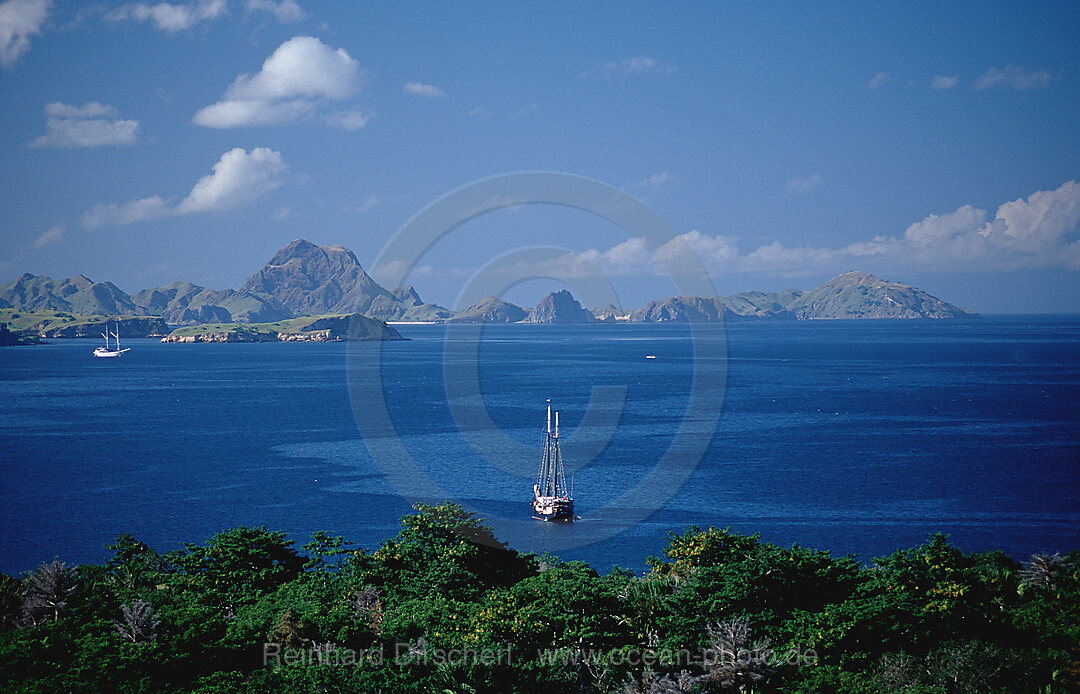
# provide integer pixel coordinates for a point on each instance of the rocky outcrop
(683, 309)
(610, 314)
(559, 308)
(491, 309)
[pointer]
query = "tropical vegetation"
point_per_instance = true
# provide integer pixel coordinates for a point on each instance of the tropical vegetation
(444, 606)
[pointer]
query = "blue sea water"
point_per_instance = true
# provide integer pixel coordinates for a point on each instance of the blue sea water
(854, 436)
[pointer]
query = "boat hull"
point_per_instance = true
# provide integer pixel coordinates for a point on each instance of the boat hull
(553, 509)
(99, 352)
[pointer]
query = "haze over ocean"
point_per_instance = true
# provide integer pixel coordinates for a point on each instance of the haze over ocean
(853, 436)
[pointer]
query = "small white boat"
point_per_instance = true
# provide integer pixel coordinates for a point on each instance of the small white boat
(650, 356)
(106, 351)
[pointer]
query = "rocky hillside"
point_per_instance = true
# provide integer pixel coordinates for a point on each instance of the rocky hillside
(184, 303)
(859, 295)
(77, 294)
(681, 309)
(306, 279)
(61, 324)
(491, 310)
(559, 308)
(770, 305)
(848, 296)
(354, 327)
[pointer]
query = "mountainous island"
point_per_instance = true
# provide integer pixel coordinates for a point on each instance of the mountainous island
(307, 292)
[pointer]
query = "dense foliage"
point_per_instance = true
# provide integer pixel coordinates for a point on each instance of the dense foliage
(445, 607)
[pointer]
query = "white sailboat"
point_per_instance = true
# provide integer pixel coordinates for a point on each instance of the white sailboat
(106, 351)
(552, 501)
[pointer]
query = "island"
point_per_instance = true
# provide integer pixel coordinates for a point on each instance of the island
(312, 293)
(333, 328)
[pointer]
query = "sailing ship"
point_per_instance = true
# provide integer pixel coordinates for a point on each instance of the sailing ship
(552, 501)
(106, 351)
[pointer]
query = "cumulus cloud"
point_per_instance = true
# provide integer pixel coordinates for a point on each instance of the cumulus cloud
(429, 91)
(878, 80)
(799, 186)
(238, 178)
(169, 17)
(20, 20)
(1013, 77)
(295, 83)
(935, 230)
(1039, 231)
(944, 82)
(285, 11)
(89, 125)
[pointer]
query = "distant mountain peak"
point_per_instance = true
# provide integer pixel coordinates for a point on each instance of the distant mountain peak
(559, 307)
(307, 279)
(862, 295)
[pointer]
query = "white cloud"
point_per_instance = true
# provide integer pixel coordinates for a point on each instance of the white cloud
(238, 113)
(633, 65)
(89, 125)
(632, 253)
(1040, 231)
(350, 119)
(944, 82)
(168, 17)
(426, 90)
(294, 84)
(119, 214)
(19, 20)
(52, 235)
(238, 178)
(1013, 77)
(799, 186)
(934, 229)
(369, 203)
(878, 80)
(639, 63)
(657, 179)
(718, 250)
(302, 66)
(1039, 225)
(285, 11)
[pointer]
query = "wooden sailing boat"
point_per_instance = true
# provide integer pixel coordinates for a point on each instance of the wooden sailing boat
(552, 501)
(106, 351)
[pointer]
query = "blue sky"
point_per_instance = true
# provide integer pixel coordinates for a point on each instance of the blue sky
(933, 144)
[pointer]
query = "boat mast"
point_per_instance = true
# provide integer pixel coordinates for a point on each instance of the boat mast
(549, 462)
(559, 481)
(542, 473)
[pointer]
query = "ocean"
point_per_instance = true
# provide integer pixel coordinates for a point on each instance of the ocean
(860, 437)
